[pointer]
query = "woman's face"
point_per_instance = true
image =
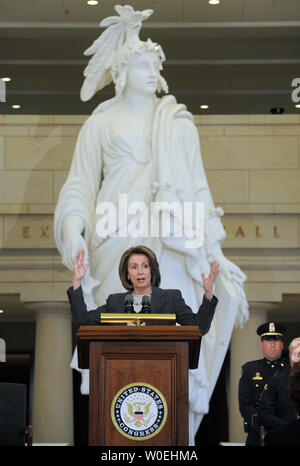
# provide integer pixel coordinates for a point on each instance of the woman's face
(295, 354)
(139, 273)
(143, 73)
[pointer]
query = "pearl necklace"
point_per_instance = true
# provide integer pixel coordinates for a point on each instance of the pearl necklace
(137, 298)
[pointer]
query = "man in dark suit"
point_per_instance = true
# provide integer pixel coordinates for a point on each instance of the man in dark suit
(275, 408)
(139, 273)
(257, 374)
(288, 434)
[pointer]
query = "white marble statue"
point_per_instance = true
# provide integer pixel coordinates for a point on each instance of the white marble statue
(147, 148)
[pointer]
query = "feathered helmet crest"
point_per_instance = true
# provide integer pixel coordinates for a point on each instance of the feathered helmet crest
(112, 49)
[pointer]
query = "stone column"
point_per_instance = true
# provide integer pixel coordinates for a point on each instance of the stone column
(244, 347)
(53, 383)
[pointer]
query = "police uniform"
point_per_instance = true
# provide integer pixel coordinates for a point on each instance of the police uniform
(255, 377)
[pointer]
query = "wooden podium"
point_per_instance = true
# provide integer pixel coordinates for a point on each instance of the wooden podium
(138, 382)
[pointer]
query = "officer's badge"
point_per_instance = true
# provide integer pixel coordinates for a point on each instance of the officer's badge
(257, 376)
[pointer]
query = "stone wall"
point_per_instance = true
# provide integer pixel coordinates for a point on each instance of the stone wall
(253, 168)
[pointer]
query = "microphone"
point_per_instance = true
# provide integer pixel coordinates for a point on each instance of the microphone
(146, 306)
(128, 304)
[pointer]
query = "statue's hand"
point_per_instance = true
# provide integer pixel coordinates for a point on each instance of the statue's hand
(75, 243)
(230, 270)
(73, 240)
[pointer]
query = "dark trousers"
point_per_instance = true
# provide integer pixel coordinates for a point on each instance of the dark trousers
(253, 438)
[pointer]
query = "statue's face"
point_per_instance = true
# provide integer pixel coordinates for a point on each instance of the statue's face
(142, 73)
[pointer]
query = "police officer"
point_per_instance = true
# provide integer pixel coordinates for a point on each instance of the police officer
(256, 375)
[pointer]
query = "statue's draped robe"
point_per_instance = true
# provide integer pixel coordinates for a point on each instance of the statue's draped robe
(166, 166)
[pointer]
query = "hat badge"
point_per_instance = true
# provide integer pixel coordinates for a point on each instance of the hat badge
(272, 327)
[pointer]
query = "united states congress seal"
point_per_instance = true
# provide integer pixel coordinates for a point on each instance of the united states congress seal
(139, 411)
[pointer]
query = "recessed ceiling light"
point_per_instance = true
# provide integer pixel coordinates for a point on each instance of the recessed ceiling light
(6, 79)
(15, 106)
(214, 2)
(1, 311)
(92, 2)
(297, 105)
(204, 107)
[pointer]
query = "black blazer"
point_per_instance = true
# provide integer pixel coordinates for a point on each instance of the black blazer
(162, 302)
(275, 408)
(284, 435)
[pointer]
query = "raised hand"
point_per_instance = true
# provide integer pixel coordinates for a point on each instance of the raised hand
(79, 268)
(209, 281)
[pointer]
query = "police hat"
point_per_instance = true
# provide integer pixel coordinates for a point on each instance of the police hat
(271, 331)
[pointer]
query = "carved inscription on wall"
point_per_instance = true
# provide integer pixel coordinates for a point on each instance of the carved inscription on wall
(43, 233)
(258, 234)
(28, 232)
(243, 231)
(261, 231)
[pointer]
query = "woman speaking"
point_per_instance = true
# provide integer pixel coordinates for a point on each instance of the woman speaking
(140, 275)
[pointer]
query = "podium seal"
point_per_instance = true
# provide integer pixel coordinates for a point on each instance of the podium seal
(139, 411)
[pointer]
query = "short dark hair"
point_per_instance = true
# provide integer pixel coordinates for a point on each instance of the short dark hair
(294, 386)
(153, 263)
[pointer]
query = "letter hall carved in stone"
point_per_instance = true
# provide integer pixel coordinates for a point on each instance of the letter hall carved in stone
(240, 231)
(257, 233)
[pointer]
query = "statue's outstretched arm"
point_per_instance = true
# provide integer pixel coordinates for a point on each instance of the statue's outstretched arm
(75, 210)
